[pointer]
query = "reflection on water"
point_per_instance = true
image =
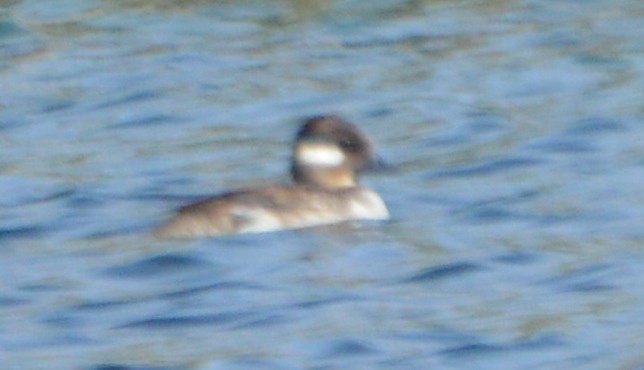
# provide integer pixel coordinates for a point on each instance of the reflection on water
(517, 231)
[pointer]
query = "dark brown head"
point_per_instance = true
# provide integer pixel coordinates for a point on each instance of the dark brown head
(329, 151)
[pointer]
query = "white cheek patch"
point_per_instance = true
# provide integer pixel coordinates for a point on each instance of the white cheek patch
(317, 154)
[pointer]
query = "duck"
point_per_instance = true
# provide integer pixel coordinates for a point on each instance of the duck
(328, 154)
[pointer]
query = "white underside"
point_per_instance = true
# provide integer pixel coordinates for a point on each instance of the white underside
(367, 205)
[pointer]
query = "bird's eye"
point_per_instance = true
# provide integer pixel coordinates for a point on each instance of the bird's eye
(349, 144)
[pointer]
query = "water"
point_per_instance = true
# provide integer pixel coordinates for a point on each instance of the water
(518, 209)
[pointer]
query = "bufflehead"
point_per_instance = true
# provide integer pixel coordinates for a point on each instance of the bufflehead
(327, 154)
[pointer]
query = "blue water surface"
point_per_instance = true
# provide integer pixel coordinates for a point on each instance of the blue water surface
(517, 131)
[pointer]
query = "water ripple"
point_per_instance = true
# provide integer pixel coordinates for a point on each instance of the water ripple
(10, 301)
(588, 279)
(595, 126)
(488, 168)
(137, 96)
(128, 367)
(153, 119)
(537, 342)
(170, 322)
(349, 347)
(20, 232)
(157, 265)
(443, 272)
